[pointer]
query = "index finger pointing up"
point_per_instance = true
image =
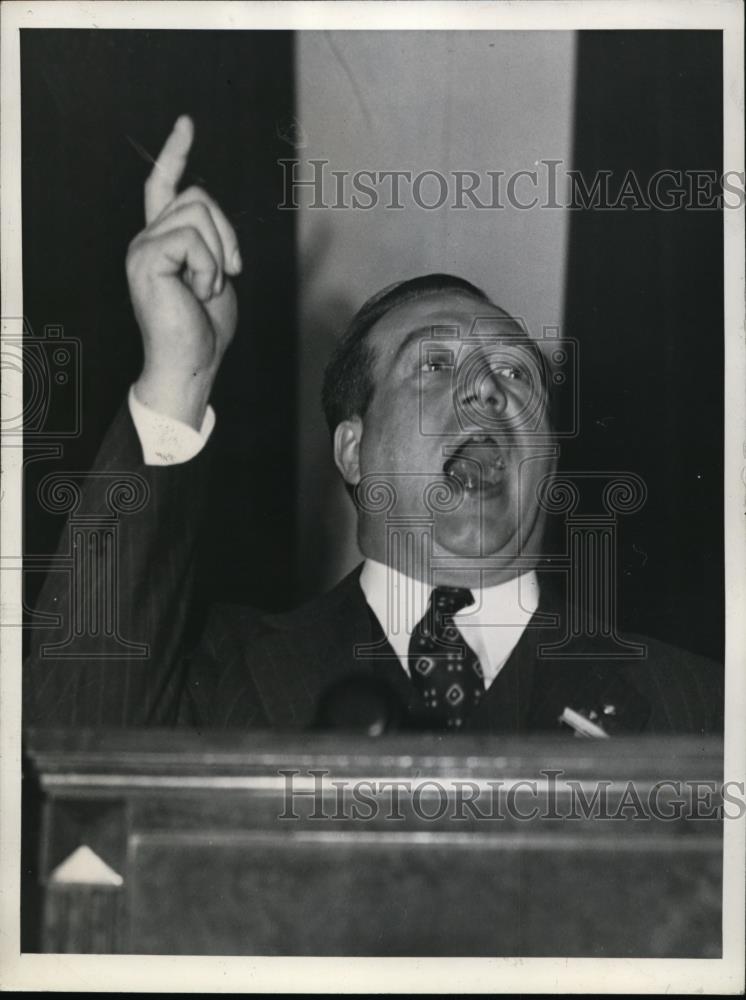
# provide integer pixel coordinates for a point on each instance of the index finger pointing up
(161, 185)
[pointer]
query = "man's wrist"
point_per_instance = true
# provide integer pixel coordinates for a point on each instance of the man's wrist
(182, 399)
(165, 440)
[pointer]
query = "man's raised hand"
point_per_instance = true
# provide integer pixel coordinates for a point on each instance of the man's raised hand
(178, 270)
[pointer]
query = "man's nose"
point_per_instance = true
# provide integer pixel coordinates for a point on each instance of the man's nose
(492, 396)
(481, 393)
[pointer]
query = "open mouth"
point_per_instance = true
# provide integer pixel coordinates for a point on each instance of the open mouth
(477, 465)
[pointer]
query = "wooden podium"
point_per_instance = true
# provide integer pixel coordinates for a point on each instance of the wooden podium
(176, 842)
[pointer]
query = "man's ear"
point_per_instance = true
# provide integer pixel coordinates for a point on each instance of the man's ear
(347, 438)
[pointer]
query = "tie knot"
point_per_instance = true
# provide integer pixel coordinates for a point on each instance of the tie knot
(450, 600)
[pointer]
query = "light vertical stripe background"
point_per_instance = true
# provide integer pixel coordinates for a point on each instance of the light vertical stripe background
(445, 101)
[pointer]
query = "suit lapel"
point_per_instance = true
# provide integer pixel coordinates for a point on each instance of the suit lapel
(590, 684)
(508, 705)
(365, 648)
(305, 651)
(299, 653)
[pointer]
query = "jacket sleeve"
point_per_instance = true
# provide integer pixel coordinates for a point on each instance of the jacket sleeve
(119, 596)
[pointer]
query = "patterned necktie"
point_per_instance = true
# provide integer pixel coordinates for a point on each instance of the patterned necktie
(444, 669)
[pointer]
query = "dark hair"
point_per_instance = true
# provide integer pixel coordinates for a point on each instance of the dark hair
(348, 380)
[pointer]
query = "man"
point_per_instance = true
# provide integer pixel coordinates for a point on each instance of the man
(437, 403)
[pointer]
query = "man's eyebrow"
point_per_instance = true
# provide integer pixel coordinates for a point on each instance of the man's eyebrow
(429, 333)
(421, 333)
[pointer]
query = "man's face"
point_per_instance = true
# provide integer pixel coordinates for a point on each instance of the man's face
(452, 430)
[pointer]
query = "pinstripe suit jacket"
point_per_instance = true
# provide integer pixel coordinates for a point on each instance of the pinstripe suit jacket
(241, 667)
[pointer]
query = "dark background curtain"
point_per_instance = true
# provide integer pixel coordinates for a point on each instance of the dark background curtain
(645, 301)
(96, 105)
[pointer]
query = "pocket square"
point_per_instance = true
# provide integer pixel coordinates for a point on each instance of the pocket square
(591, 700)
(582, 725)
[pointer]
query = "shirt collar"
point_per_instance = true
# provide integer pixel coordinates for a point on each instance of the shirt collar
(491, 626)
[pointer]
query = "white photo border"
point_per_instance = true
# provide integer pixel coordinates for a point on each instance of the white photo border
(395, 975)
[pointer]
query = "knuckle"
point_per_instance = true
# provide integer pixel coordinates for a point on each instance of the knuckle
(201, 211)
(205, 225)
(195, 193)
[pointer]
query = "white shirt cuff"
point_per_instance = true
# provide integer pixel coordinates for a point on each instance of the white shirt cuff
(164, 440)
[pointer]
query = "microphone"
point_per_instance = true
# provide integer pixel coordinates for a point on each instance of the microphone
(360, 703)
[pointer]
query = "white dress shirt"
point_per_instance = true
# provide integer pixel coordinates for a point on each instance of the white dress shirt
(492, 625)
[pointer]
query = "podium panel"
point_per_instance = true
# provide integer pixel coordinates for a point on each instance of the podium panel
(171, 842)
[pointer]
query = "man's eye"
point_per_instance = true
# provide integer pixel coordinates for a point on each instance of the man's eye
(438, 361)
(509, 371)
